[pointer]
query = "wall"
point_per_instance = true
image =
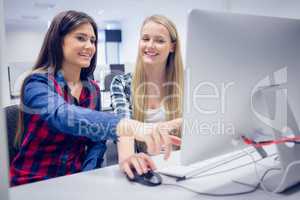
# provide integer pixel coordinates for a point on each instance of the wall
(19, 41)
(4, 95)
(279, 8)
(24, 45)
(3, 137)
(20, 46)
(177, 12)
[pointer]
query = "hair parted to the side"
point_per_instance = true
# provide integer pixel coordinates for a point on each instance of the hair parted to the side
(50, 57)
(173, 89)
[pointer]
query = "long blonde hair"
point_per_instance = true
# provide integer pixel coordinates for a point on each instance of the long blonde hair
(174, 76)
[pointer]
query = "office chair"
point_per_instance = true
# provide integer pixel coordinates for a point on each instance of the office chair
(11, 114)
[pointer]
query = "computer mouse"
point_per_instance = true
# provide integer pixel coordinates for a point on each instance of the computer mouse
(150, 178)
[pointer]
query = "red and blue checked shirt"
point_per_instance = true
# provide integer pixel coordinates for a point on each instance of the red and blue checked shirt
(61, 135)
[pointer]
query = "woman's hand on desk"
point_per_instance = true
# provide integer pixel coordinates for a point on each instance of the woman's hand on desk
(140, 162)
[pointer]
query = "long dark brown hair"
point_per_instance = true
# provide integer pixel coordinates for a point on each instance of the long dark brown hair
(51, 54)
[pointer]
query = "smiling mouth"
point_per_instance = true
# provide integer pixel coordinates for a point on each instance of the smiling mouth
(151, 54)
(86, 56)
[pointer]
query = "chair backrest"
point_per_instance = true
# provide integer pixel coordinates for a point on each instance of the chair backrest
(11, 114)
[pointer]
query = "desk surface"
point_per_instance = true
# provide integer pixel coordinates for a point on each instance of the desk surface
(110, 183)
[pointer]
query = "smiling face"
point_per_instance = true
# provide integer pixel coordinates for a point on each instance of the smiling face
(79, 47)
(155, 44)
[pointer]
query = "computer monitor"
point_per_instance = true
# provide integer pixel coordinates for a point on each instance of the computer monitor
(232, 61)
(4, 183)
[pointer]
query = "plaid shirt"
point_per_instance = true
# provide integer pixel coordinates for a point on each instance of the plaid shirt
(61, 135)
(120, 91)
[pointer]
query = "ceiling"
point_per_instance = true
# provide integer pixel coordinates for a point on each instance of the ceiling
(38, 13)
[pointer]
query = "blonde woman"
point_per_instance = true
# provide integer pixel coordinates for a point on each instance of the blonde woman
(153, 93)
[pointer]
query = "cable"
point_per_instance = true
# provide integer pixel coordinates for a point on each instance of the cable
(285, 174)
(227, 170)
(261, 179)
(253, 187)
(295, 139)
(216, 164)
(212, 194)
(222, 171)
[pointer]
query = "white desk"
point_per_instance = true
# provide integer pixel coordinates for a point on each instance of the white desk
(110, 183)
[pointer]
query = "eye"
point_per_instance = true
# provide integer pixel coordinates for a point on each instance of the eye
(81, 38)
(93, 40)
(145, 39)
(161, 41)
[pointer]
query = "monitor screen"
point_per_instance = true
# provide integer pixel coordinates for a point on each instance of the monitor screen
(232, 63)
